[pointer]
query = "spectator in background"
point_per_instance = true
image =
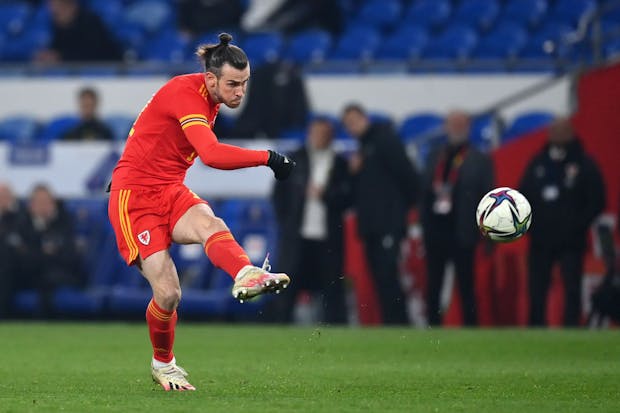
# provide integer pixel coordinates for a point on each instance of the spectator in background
(78, 36)
(385, 187)
(10, 214)
(456, 178)
(566, 191)
(309, 208)
(196, 17)
(276, 102)
(90, 127)
(46, 251)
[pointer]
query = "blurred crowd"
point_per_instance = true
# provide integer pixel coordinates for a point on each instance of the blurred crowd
(381, 184)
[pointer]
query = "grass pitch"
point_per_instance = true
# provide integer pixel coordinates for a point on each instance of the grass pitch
(104, 367)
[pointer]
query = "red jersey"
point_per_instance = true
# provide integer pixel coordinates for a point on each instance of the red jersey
(173, 129)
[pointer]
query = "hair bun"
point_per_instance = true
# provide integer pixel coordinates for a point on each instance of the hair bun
(225, 38)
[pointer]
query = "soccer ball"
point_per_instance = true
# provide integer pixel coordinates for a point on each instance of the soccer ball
(503, 214)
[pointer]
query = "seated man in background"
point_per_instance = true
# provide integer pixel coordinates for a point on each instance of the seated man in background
(9, 216)
(90, 127)
(46, 250)
(78, 35)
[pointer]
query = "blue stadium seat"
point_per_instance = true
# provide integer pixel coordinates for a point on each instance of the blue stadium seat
(13, 17)
(168, 46)
(505, 41)
(418, 124)
(572, 10)
(110, 11)
(527, 12)
(151, 16)
(456, 41)
(407, 42)
(611, 49)
(130, 36)
(80, 303)
(357, 43)
(22, 47)
(263, 47)
(477, 13)
(483, 132)
(543, 43)
(308, 47)
(527, 122)
(26, 302)
(204, 303)
(252, 221)
(192, 264)
(58, 126)
(129, 301)
(381, 14)
(120, 125)
(294, 134)
(429, 13)
(19, 129)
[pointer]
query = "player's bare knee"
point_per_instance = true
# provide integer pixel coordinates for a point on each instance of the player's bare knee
(169, 296)
(210, 227)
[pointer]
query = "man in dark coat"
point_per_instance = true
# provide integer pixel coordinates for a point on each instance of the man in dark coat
(46, 251)
(309, 207)
(456, 178)
(78, 35)
(90, 127)
(385, 187)
(10, 214)
(566, 191)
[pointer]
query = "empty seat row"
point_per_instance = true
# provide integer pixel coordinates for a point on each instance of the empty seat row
(380, 29)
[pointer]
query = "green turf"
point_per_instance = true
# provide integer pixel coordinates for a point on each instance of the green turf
(104, 367)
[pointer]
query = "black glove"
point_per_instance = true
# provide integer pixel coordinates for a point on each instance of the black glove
(280, 164)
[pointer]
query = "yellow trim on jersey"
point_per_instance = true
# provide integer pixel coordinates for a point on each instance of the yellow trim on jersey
(126, 224)
(193, 115)
(195, 122)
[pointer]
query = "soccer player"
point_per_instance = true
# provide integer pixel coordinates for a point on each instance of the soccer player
(150, 207)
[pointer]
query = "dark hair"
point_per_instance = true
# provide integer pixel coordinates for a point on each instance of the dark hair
(88, 91)
(354, 107)
(214, 56)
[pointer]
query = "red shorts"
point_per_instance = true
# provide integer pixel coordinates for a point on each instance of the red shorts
(143, 219)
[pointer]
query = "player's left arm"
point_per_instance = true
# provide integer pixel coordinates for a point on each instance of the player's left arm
(196, 127)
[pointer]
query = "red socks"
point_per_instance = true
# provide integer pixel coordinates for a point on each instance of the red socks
(225, 253)
(161, 329)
